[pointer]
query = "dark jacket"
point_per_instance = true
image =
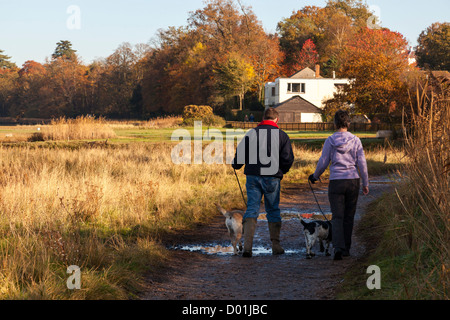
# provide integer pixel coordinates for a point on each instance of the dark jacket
(264, 131)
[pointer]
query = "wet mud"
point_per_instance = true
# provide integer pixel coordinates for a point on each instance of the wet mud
(203, 267)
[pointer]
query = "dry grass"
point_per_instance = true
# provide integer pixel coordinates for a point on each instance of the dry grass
(380, 160)
(81, 128)
(425, 196)
(20, 133)
(409, 229)
(102, 209)
(163, 122)
(154, 123)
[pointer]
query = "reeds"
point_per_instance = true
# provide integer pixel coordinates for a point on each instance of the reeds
(425, 196)
(409, 228)
(81, 128)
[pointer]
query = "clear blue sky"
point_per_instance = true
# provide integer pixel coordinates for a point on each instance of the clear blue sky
(31, 29)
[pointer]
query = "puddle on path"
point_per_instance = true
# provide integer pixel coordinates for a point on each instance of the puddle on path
(217, 249)
(292, 213)
(386, 179)
(261, 242)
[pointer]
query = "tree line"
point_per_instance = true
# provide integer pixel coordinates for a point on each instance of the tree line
(222, 58)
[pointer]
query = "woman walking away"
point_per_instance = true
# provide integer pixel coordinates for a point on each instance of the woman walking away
(345, 152)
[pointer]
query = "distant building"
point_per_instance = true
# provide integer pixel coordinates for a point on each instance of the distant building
(411, 56)
(297, 109)
(310, 87)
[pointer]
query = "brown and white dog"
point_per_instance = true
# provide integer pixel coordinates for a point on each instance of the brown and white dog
(317, 230)
(233, 221)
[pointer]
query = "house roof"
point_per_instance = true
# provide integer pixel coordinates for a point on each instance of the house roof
(444, 75)
(305, 73)
(297, 103)
(440, 75)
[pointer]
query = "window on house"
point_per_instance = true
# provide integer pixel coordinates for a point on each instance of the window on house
(273, 92)
(296, 87)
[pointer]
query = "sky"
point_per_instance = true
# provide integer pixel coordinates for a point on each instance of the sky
(30, 29)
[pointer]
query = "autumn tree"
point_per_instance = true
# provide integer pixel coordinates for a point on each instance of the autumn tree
(226, 26)
(234, 77)
(306, 57)
(28, 96)
(116, 81)
(230, 29)
(375, 61)
(266, 58)
(183, 65)
(434, 47)
(294, 32)
(31, 68)
(357, 10)
(64, 86)
(8, 82)
(56, 88)
(329, 28)
(66, 80)
(178, 72)
(8, 78)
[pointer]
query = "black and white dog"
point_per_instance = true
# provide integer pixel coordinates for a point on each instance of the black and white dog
(317, 230)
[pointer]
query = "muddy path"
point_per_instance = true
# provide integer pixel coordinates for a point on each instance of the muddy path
(202, 266)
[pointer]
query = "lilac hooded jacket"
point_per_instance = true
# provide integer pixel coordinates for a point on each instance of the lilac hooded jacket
(345, 152)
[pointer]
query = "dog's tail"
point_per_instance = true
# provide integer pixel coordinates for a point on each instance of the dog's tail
(221, 210)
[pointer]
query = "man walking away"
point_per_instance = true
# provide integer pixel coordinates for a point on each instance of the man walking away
(266, 152)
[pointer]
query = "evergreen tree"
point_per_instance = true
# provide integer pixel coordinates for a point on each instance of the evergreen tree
(5, 63)
(64, 50)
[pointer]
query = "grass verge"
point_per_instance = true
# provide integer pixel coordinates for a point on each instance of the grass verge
(102, 208)
(407, 230)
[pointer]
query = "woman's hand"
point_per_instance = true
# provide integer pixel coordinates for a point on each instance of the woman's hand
(312, 179)
(365, 191)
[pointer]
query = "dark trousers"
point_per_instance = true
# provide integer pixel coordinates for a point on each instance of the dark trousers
(343, 197)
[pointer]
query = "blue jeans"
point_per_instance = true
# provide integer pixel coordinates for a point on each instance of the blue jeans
(257, 186)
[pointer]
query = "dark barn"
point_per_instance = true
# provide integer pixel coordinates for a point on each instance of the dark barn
(297, 110)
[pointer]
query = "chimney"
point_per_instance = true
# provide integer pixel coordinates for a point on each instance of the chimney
(317, 71)
(334, 74)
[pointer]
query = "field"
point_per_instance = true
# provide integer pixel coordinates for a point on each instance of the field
(125, 132)
(105, 204)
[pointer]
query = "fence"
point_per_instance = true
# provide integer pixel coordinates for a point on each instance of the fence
(9, 121)
(315, 126)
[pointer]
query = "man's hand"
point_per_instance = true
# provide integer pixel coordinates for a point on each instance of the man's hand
(312, 179)
(365, 191)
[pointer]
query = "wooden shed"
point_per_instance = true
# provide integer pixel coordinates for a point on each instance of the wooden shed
(297, 110)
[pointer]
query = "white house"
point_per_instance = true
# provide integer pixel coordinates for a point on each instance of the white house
(411, 56)
(309, 86)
